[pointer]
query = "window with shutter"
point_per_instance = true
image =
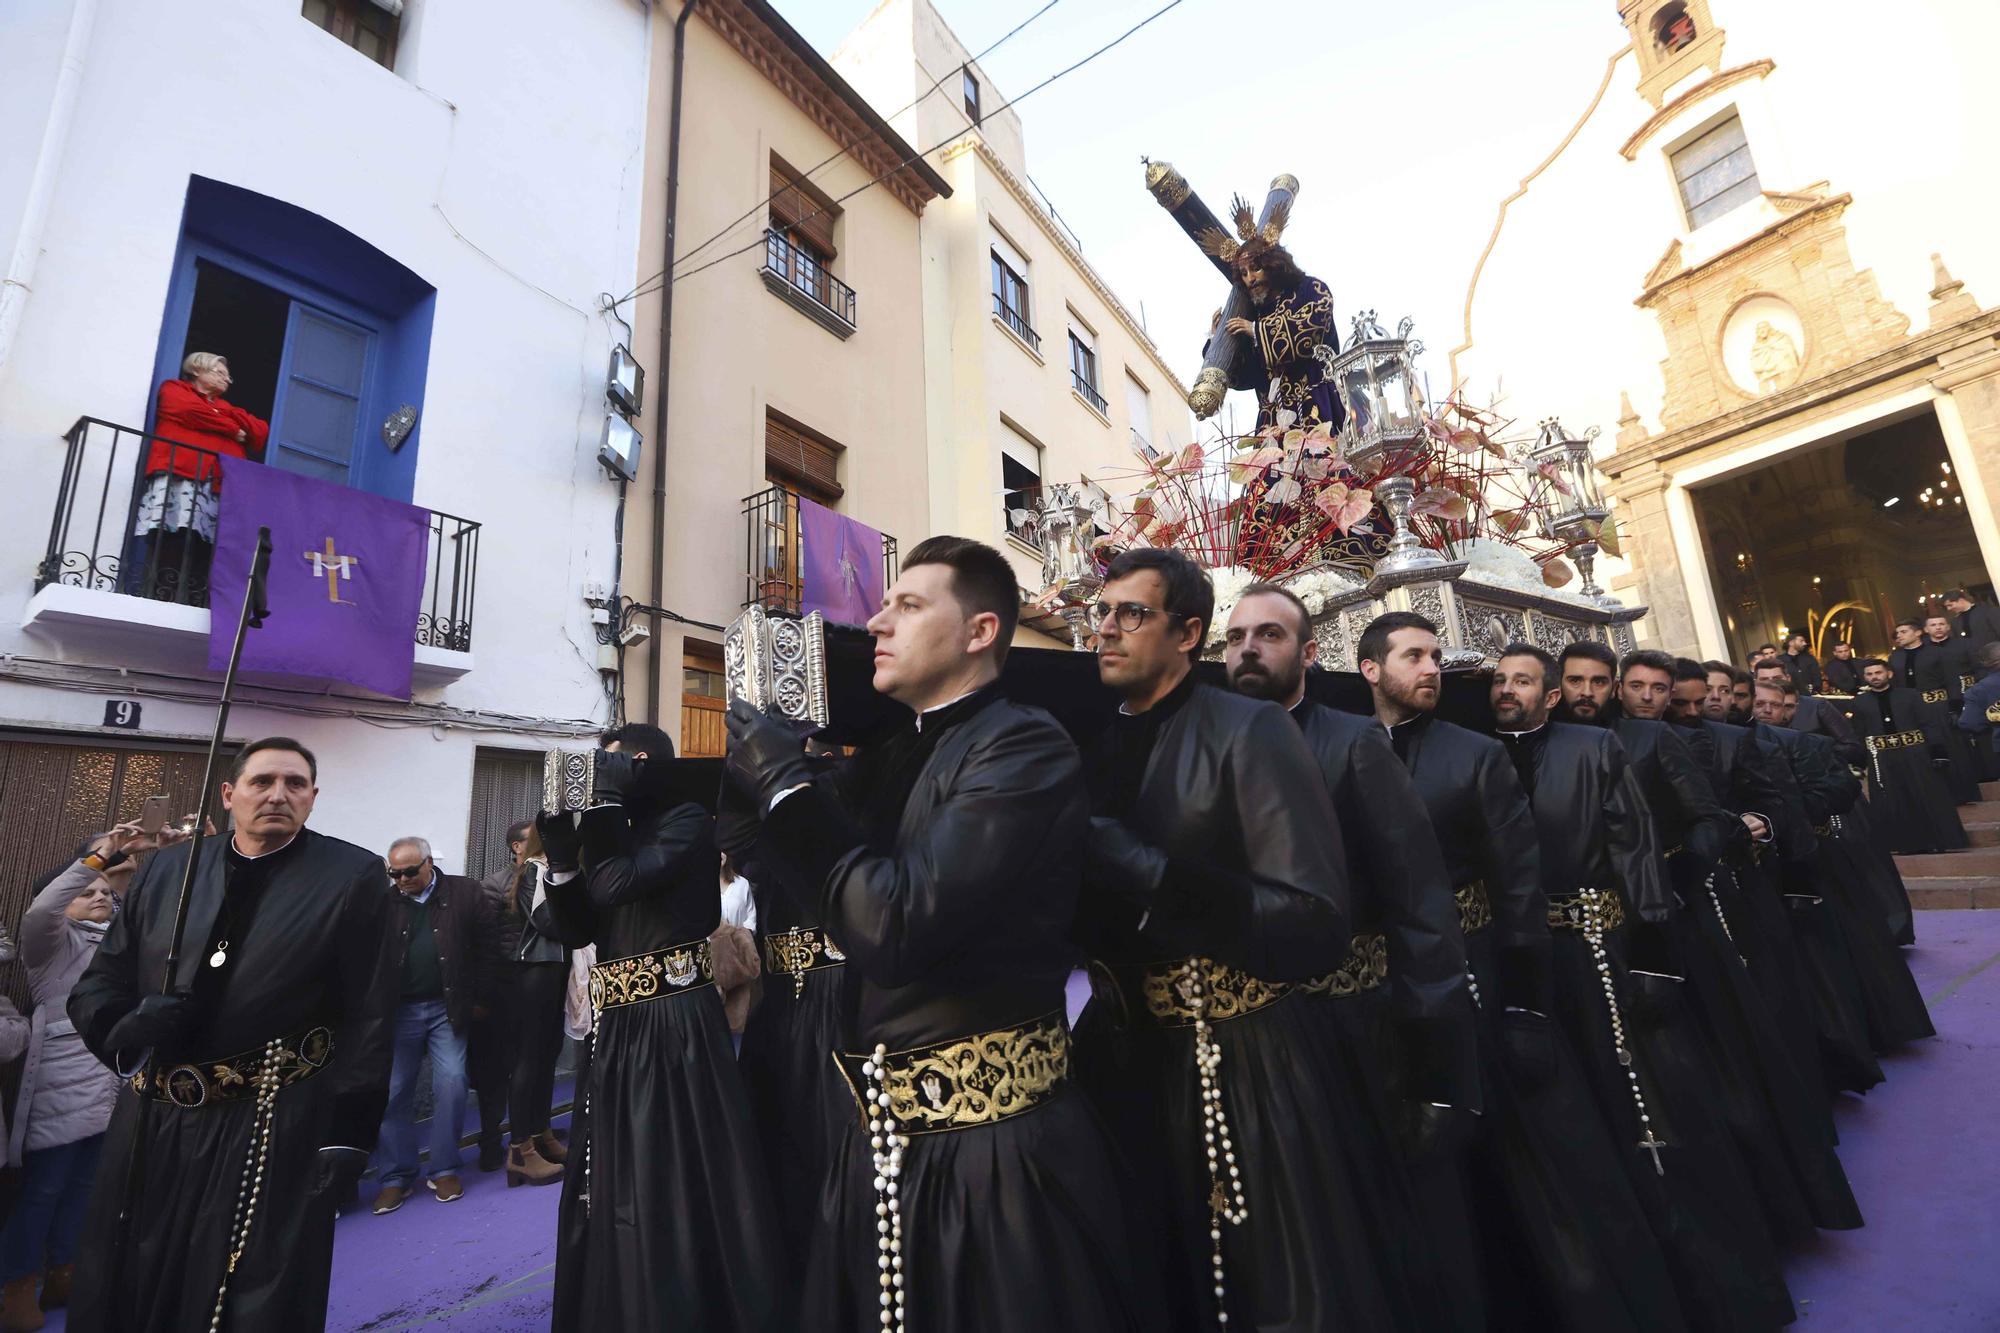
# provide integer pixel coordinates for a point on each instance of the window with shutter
(801, 459)
(800, 210)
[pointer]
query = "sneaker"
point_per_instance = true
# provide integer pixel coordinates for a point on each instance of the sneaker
(390, 1199)
(446, 1188)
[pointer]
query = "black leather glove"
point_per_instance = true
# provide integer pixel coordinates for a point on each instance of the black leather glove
(160, 1023)
(338, 1170)
(1528, 1046)
(615, 776)
(1430, 1130)
(561, 842)
(766, 756)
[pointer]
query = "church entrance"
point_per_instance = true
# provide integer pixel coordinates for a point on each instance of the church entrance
(1839, 540)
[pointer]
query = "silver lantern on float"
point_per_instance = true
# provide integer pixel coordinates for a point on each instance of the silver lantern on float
(1376, 378)
(1577, 517)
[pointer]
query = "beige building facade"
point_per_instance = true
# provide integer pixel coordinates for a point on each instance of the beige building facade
(796, 367)
(1769, 289)
(1037, 372)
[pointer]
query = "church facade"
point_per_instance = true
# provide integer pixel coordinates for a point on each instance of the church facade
(1753, 261)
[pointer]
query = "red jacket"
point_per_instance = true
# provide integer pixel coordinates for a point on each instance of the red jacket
(185, 417)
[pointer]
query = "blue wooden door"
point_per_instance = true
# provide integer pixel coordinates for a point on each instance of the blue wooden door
(316, 423)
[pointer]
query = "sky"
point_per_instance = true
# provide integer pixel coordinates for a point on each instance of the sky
(1406, 125)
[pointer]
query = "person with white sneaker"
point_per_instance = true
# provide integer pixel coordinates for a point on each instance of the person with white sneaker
(448, 944)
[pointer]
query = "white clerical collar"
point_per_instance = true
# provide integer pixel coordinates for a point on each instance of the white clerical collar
(946, 704)
(261, 855)
(1529, 732)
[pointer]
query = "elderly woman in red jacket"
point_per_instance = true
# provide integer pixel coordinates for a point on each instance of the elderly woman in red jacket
(192, 428)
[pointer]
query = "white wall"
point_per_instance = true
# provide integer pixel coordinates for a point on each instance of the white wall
(500, 163)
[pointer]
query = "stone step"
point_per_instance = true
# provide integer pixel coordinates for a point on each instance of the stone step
(1990, 790)
(1943, 893)
(1983, 835)
(1972, 863)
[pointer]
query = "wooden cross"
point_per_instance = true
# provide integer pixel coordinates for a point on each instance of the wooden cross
(333, 568)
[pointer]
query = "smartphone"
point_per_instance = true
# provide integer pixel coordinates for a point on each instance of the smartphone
(153, 814)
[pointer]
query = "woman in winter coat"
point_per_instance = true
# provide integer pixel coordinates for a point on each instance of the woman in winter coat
(194, 429)
(66, 1095)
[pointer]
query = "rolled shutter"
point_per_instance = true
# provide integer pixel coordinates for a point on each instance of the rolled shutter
(803, 211)
(795, 458)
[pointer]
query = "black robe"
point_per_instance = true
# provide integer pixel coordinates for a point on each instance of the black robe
(1978, 625)
(945, 862)
(1891, 1003)
(1824, 717)
(314, 943)
(1842, 675)
(1566, 1242)
(1940, 673)
(1775, 1111)
(1241, 854)
(1413, 1040)
(802, 1106)
(1595, 832)
(1910, 803)
(666, 1218)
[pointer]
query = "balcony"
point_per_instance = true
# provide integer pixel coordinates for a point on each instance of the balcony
(100, 588)
(775, 580)
(1088, 392)
(798, 276)
(1017, 324)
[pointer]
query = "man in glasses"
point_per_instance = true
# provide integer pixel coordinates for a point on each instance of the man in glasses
(449, 941)
(1215, 882)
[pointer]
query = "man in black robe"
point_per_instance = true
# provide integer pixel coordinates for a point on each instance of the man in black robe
(1401, 1003)
(256, 1083)
(1843, 674)
(1216, 882)
(1799, 660)
(1931, 669)
(1815, 715)
(1911, 804)
(1976, 622)
(1567, 1244)
(1950, 662)
(1602, 867)
(666, 1218)
(974, 1187)
(1773, 1106)
(1892, 1006)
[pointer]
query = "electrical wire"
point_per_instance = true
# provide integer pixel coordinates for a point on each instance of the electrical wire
(760, 205)
(647, 287)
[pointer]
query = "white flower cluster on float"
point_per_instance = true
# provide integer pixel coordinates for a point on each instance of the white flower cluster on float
(1312, 586)
(1498, 565)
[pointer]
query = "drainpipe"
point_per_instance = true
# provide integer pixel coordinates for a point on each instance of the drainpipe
(19, 281)
(666, 365)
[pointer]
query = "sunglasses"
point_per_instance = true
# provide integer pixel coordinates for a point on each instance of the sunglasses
(407, 872)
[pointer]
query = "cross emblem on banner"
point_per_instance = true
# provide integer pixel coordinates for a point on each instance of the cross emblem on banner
(333, 568)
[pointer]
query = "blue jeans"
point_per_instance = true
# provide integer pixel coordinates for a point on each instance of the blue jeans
(48, 1210)
(421, 1025)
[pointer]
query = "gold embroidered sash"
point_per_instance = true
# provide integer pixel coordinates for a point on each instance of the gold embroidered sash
(648, 976)
(795, 952)
(1475, 909)
(1900, 740)
(234, 1078)
(1366, 968)
(1575, 912)
(1169, 992)
(977, 1080)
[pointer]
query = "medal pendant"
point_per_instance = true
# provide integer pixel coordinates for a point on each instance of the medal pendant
(219, 957)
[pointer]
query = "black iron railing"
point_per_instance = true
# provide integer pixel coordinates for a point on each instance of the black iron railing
(132, 517)
(804, 271)
(775, 577)
(1087, 391)
(1018, 322)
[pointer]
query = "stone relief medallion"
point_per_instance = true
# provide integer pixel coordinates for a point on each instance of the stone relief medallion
(1764, 345)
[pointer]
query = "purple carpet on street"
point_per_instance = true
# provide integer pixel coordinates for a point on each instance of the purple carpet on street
(841, 565)
(347, 576)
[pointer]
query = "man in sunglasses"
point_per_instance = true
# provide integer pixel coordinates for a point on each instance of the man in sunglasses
(1215, 883)
(449, 941)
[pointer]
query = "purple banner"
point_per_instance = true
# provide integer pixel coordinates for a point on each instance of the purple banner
(840, 565)
(347, 576)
